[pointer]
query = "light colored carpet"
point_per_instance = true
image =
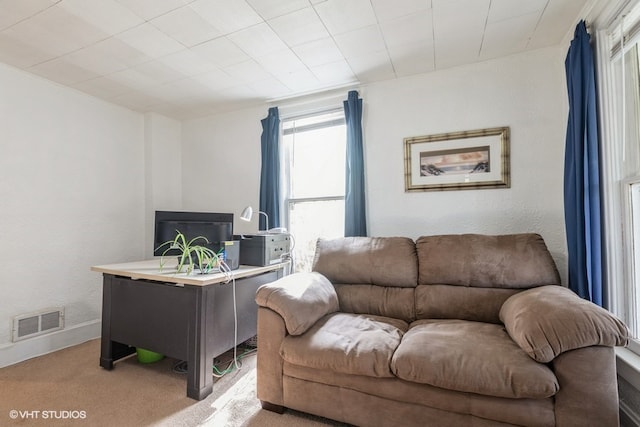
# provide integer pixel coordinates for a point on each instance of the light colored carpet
(69, 388)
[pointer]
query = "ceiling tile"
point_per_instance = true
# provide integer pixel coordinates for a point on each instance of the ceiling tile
(222, 52)
(300, 81)
(15, 52)
(61, 71)
(387, 10)
(15, 11)
(508, 36)
(217, 80)
(186, 26)
(121, 53)
(281, 63)
(187, 62)
(361, 41)
(269, 9)
(107, 15)
(149, 9)
(334, 73)
(94, 60)
(299, 27)
(270, 88)
(318, 52)
(551, 28)
(412, 58)
(146, 74)
(258, 40)
(102, 87)
(157, 72)
(248, 71)
(372, 67)
(507, 9)
(149, 40)
(408, 29)
(56, 31)
(237, 95)
(342, 16)
(183, 89)
(136, 101)
(227, 16)
(458, 30)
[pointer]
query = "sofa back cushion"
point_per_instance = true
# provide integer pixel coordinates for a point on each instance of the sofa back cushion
(470, 276)
(518, 261)
(372, 275)
(387, 301)
(381, 261)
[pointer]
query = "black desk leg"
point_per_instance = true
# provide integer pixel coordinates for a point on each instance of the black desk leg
(110, 351)
(200, 347)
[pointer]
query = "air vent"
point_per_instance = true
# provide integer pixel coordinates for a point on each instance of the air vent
(39, 323)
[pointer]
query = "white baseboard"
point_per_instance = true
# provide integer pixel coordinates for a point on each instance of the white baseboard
(12, 353)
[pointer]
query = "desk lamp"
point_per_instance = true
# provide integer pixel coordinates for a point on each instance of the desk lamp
(247, 213)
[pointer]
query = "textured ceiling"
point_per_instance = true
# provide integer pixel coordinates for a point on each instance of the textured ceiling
(189, 58)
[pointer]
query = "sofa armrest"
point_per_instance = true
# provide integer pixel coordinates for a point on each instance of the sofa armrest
(549, 320)
(300, 299)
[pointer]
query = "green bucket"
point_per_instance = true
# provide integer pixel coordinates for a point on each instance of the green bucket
(147, 356)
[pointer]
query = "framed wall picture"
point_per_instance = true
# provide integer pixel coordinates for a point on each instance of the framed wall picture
(457, 161)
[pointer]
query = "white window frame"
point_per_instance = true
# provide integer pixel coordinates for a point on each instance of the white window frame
(619, 253)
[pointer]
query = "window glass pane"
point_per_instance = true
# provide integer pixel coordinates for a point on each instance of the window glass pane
(632, 113)
(317, 162)
(315, 119)
(312, 219)
(315, 151)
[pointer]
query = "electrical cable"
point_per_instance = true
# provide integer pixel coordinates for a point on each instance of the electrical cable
(289, 256)
(181, 367)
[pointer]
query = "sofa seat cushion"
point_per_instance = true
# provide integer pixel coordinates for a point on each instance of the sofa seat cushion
(347, 343)
(470, 357)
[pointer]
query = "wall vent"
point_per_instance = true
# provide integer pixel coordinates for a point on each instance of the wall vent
(38, 323)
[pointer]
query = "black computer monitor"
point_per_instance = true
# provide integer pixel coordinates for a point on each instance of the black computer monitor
(215, 227)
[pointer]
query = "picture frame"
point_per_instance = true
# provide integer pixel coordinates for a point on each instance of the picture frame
(475, 159)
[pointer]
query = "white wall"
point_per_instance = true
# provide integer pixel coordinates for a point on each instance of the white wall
(525, 92)
(221, 164)
(71, 196)
(163, 170)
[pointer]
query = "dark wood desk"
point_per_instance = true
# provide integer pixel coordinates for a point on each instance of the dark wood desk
(186, 317)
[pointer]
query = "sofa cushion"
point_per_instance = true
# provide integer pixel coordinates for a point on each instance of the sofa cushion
(550, 320)
(506, 261)
(383, 261)
(387, 301)
(461, 302)
(301, 299)
(470, 357)
(347, 343)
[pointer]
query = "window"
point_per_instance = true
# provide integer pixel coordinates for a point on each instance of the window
(314, 158)
(619, 81)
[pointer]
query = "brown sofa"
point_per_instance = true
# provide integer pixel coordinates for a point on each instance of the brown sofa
(455, 330)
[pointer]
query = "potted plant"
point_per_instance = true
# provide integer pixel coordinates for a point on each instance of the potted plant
(192, 254)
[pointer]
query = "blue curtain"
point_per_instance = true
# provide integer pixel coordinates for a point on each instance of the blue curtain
(355, 222)
(582, 172)
(270, 172)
